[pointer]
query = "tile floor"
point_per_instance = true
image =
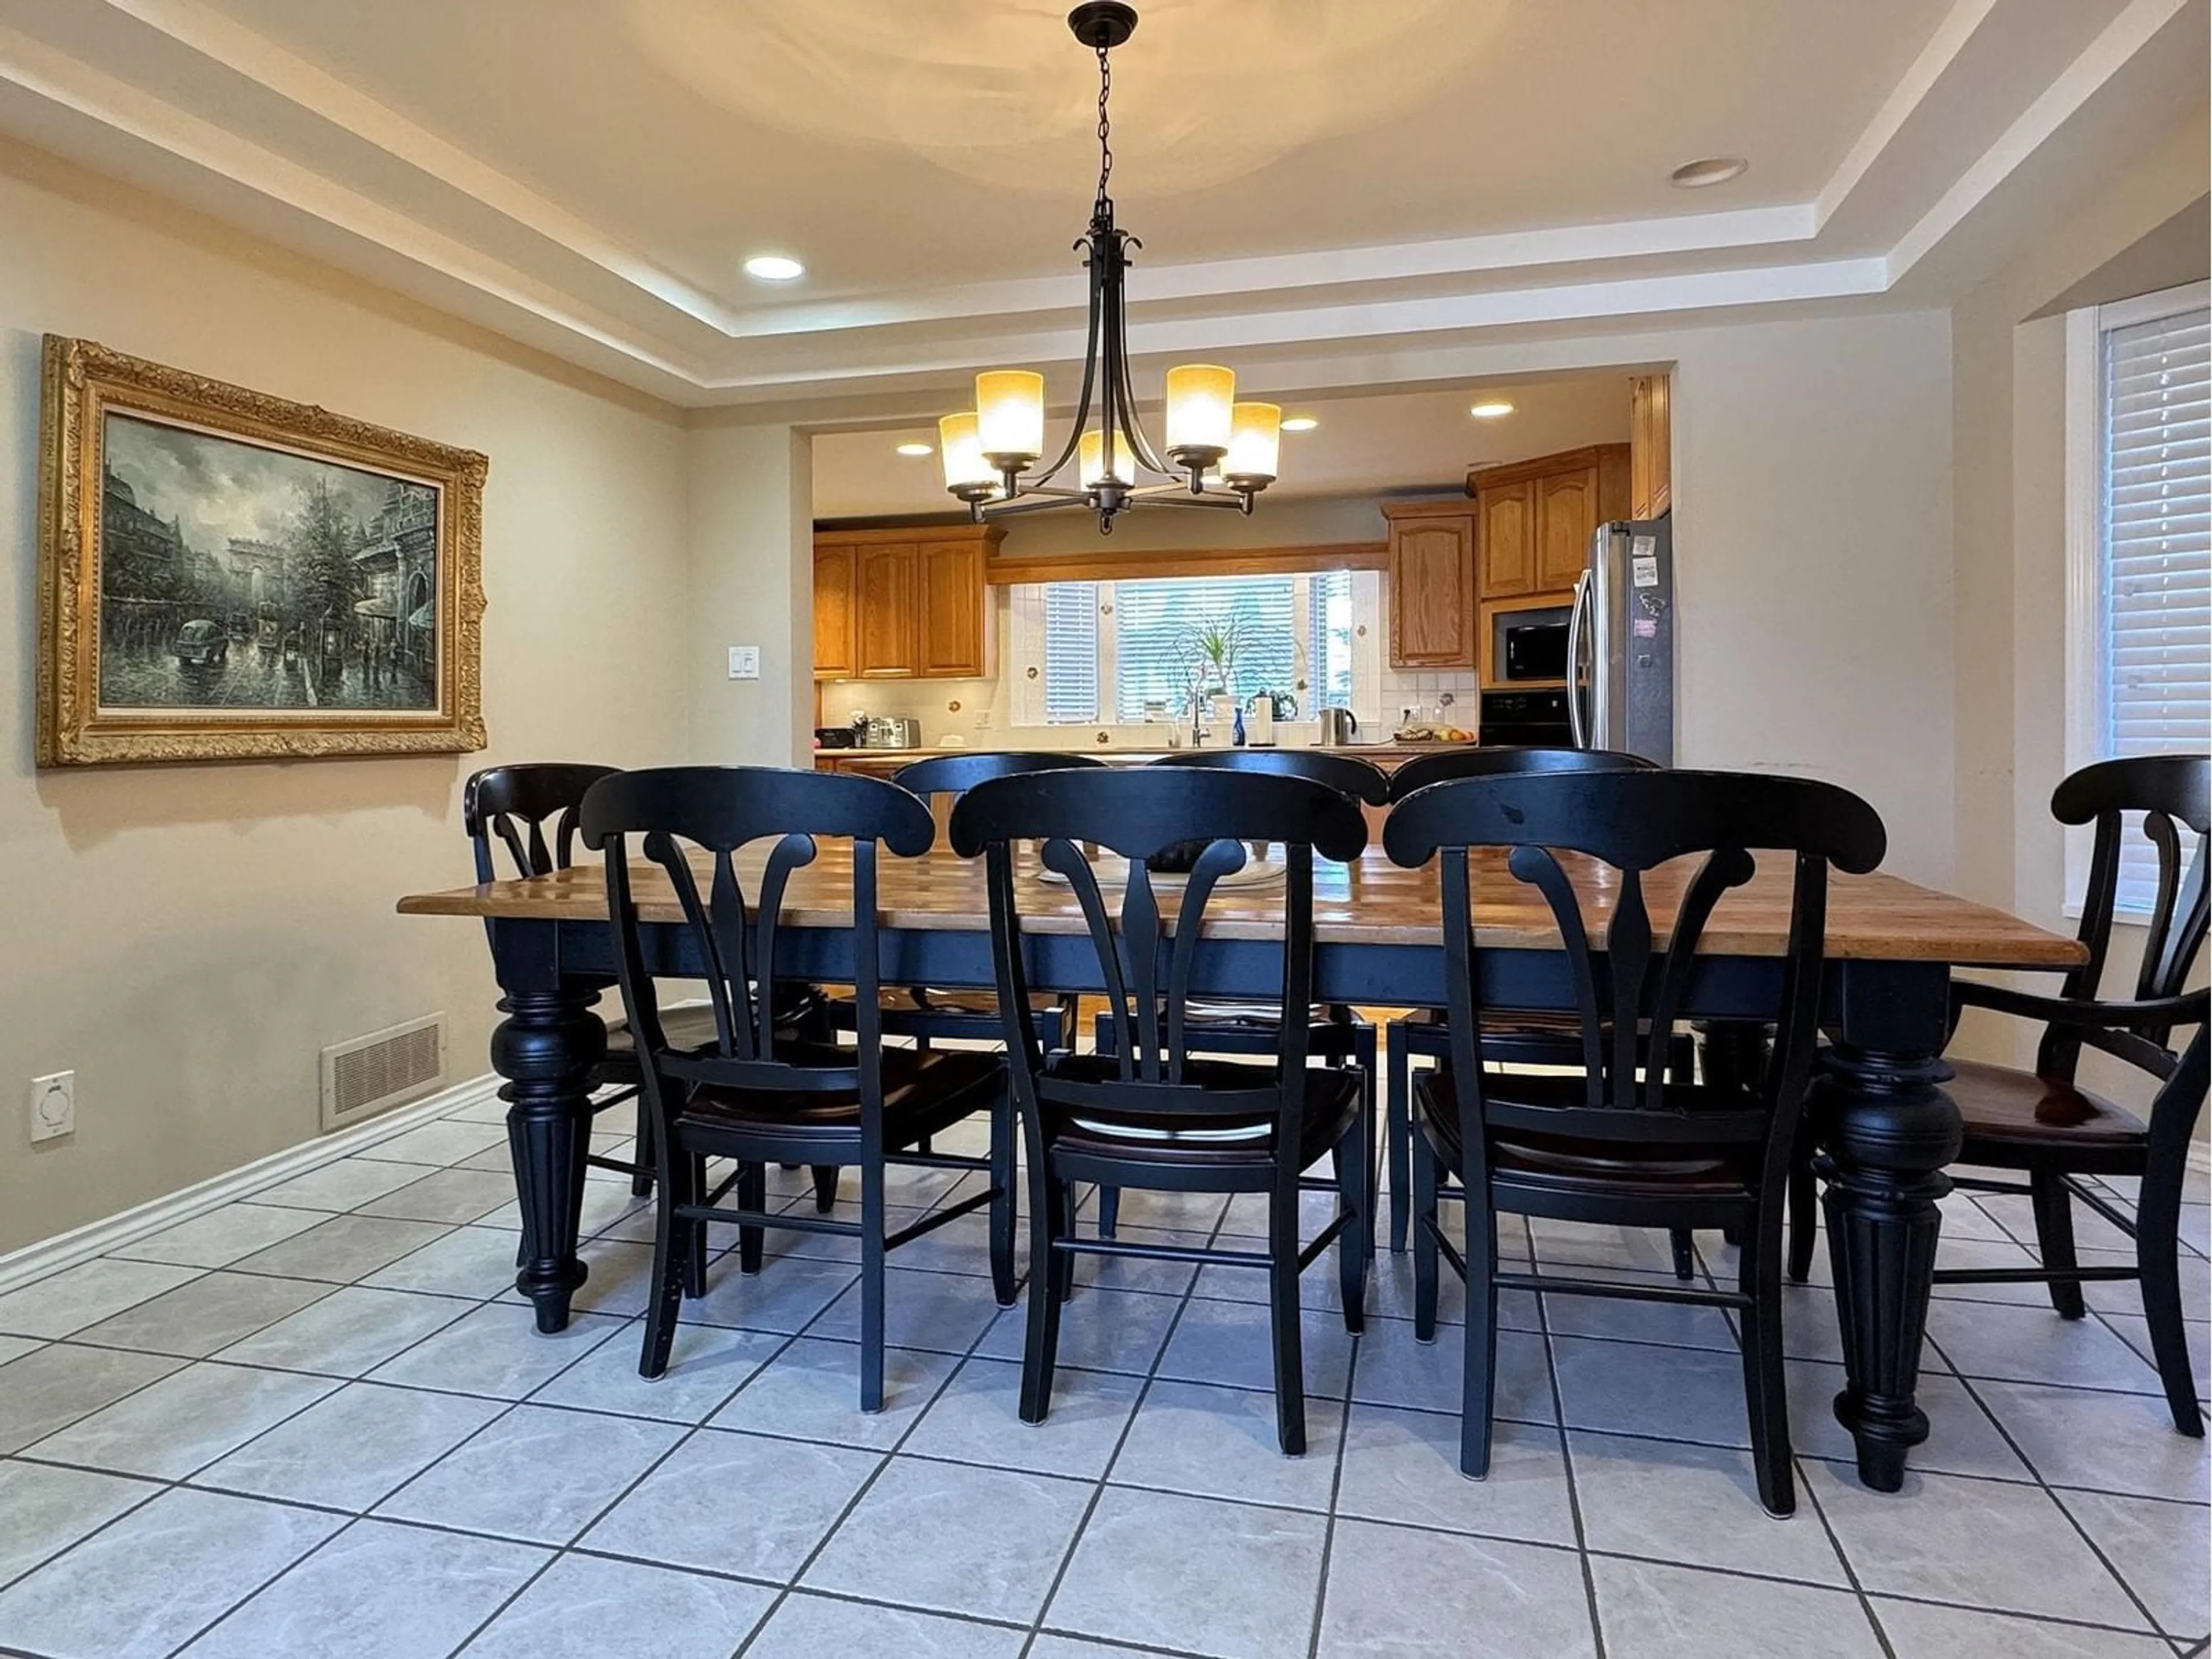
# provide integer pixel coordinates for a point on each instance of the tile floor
(318, 1422)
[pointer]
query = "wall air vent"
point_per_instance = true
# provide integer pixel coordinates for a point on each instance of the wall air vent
(374, 1073)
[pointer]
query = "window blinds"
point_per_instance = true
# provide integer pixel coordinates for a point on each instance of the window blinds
(1071, 653)
(1154, 625)
(2155, 619)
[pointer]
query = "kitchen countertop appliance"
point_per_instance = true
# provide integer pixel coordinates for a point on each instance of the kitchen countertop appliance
(1338, 726)
(1620, 642)
(888, 731)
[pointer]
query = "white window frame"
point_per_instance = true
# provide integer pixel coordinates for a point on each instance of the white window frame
(2085, 551)
(1027, 705)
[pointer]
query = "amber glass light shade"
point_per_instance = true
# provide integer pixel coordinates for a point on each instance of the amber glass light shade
(1090, 467)
(1009, 415)
(962, 453)
(1200, 398)
(1255, 438)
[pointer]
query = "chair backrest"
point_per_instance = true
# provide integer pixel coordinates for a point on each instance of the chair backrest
(2170, 792)
(516, 804)
(1495, 760)
(956, 774)
(1145, 959)
(1346, 774)
(1634, 822)
(712, 814)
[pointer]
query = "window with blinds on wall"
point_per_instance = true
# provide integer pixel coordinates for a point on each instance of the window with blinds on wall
(1127, 651)
(2153, 604)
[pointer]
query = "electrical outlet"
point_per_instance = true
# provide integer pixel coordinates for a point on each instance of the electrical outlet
(744, 662)
(983, 720)
(53, 1106)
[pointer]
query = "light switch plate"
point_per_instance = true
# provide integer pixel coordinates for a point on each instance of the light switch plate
(744, 662)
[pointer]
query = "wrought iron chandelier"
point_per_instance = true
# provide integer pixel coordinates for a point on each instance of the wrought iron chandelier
(1218, 452)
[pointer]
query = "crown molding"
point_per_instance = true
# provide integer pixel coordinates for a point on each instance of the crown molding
(1600, 274)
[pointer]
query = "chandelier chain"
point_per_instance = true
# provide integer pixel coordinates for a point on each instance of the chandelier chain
(1105, 131)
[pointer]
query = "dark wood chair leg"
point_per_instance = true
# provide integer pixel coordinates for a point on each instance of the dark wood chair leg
(1686, 1252)
(1804, 1213)
(1479, 1382)
(1063, 1264)
(825, 1188)
(1399, 1130)
(1283, 1320)
(2054, 1239)
(694, 1237)
(1366, 1052)
(871, 1285)
(1040, 1338)
(671, 1254)
(1764, 1388)
(1109, 1211)
(1004, 1208)
(641, 1152)
(1424, 1240)
(1354, 1159)
(2158, 1258)
(753, 1194)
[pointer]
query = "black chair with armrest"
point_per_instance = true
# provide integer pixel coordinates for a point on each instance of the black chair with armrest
(758, 1095)
(1151, 1114)
(1620, 1142)
(2045, 1124)
(1533, 1037)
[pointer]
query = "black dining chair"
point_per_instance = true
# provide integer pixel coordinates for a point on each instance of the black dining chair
(1536, 1037)
(1341, 1036)
(1150, 1114)
(2044, 1124)
(756, 1095)
(531, 810)
(1620, 1142)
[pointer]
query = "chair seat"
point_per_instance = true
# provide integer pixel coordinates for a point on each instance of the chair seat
(1570, 1164)
(1522, 1037)
(1331, 1108)
(2007, 1108)
(925, 1091)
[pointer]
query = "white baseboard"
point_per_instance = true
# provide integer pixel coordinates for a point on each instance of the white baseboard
(99, 1237)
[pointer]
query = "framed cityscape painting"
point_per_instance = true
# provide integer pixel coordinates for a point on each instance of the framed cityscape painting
(226, 575)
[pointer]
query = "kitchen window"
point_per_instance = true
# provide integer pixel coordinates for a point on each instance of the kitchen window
(2139, 545)
(1118, 653)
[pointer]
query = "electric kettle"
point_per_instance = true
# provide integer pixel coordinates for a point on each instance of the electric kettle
(1338, 725)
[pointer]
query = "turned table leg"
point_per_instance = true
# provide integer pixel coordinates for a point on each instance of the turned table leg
(546, 1048)
(1887, 1129)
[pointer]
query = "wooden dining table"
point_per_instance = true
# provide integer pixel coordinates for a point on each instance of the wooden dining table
(1878, 1104)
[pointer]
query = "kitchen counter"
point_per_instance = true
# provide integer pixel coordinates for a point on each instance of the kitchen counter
(1387, 755)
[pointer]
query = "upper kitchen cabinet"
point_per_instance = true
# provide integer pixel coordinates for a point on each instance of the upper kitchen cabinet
(903, 603)
(1651, 447)
(1432, 584)
(1537, 517)
(833, 611)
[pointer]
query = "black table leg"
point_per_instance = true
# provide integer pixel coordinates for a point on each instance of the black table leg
(1888, 1129)
(546, 1048)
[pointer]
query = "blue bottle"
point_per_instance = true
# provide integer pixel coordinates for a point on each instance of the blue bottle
(1236, 729)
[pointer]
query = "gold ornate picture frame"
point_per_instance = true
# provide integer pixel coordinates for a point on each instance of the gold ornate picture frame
(227, 576)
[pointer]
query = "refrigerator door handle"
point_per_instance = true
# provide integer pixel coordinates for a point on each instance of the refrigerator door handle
(1576, 726)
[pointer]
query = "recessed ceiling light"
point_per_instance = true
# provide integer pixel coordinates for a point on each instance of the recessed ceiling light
(773, 268)
(1300, 424)
(1491, 409)
(915, 449)
(1708, 170)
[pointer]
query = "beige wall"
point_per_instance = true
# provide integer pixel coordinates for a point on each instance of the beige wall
(2009, 416)
(750, 540)
(187, 938)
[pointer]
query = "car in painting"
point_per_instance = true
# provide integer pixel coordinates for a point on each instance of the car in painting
(201, 645)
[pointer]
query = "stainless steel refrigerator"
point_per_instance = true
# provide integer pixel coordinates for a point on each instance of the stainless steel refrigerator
(1620, 642)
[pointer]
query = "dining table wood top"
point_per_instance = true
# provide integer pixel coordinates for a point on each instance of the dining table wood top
(1371, 901)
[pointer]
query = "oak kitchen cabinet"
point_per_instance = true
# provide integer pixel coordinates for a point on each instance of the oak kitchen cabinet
(1650, 445)
(1535, 518)
(903, 604)
(1431, 583)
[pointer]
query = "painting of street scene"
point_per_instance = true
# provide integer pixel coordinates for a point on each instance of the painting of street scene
(235, 575)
